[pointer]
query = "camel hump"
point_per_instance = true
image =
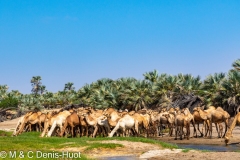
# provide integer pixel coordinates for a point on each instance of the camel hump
(220, 109)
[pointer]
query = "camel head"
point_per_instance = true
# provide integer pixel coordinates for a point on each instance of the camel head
(166, 115)
(198, 109)
(195, 109)
(131, 113)
(226, 140)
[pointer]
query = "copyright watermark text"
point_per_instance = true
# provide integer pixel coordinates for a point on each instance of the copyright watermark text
(39, 154)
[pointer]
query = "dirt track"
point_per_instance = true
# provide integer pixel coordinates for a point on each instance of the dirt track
(138, 150)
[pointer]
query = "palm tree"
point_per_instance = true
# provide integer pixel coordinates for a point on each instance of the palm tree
(3, 91)
(163, 90)
(69, 86)
(36, 84)
(151, 76)
(138, 95)
(236, 64)
(231, 87)
(212, 89)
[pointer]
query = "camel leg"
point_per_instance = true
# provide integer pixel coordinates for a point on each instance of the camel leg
(86, 130)
(72, 134)
(200, 131)
(95, 130)
(194, 128)
(176, 132)
(226, 124)
(136, 128)
(181, 132)
(216, 125)
(52, 128)
(210, 130)
(114, 130)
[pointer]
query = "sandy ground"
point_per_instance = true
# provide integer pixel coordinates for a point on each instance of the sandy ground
(138, 150)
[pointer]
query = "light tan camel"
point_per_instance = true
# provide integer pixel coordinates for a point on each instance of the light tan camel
(112, 116)
(58, 121)
(103, 124)
(91, 121)
(96, 120)
(125, 123)
(198, 120)
(143, 122)
(191, 118)
(20, 121)
(236, 121)
(53, 120)
(31, 118)
(182, 119)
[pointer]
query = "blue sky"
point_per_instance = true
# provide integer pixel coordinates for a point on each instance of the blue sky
(82, 41)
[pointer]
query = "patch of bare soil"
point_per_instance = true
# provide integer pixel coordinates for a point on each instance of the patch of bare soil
(203, 140)
(198, 155)
(130, 149)
(9, 125)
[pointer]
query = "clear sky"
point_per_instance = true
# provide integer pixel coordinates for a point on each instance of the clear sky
(82, 41)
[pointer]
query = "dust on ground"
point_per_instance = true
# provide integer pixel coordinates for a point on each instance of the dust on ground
(139, 150)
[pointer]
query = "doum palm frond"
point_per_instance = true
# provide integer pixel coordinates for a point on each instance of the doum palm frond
(151, 76)
(236, 64)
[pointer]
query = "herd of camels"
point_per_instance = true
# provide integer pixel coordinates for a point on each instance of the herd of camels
(86, 121)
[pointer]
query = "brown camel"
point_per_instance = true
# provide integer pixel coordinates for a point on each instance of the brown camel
(214, 116)
(73, 122)
(170, 121)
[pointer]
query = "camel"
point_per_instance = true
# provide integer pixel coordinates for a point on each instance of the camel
(182, 119)
(58, 120)
(30, 119)
(20, 121)
(91, 121)
(125, 123)
(48, 122)
(236, 121)
(102, 123)
(198, 120)
(54, 119)
(112, 116)
(170, 120)
(143, 122)
(83, 123)
(214, 116)
(72, 121)
(155, 121)
(191, 118)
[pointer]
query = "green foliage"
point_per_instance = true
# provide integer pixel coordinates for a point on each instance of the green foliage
(156, 90)
(30, 141)
(9, 102)
(186, 150)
